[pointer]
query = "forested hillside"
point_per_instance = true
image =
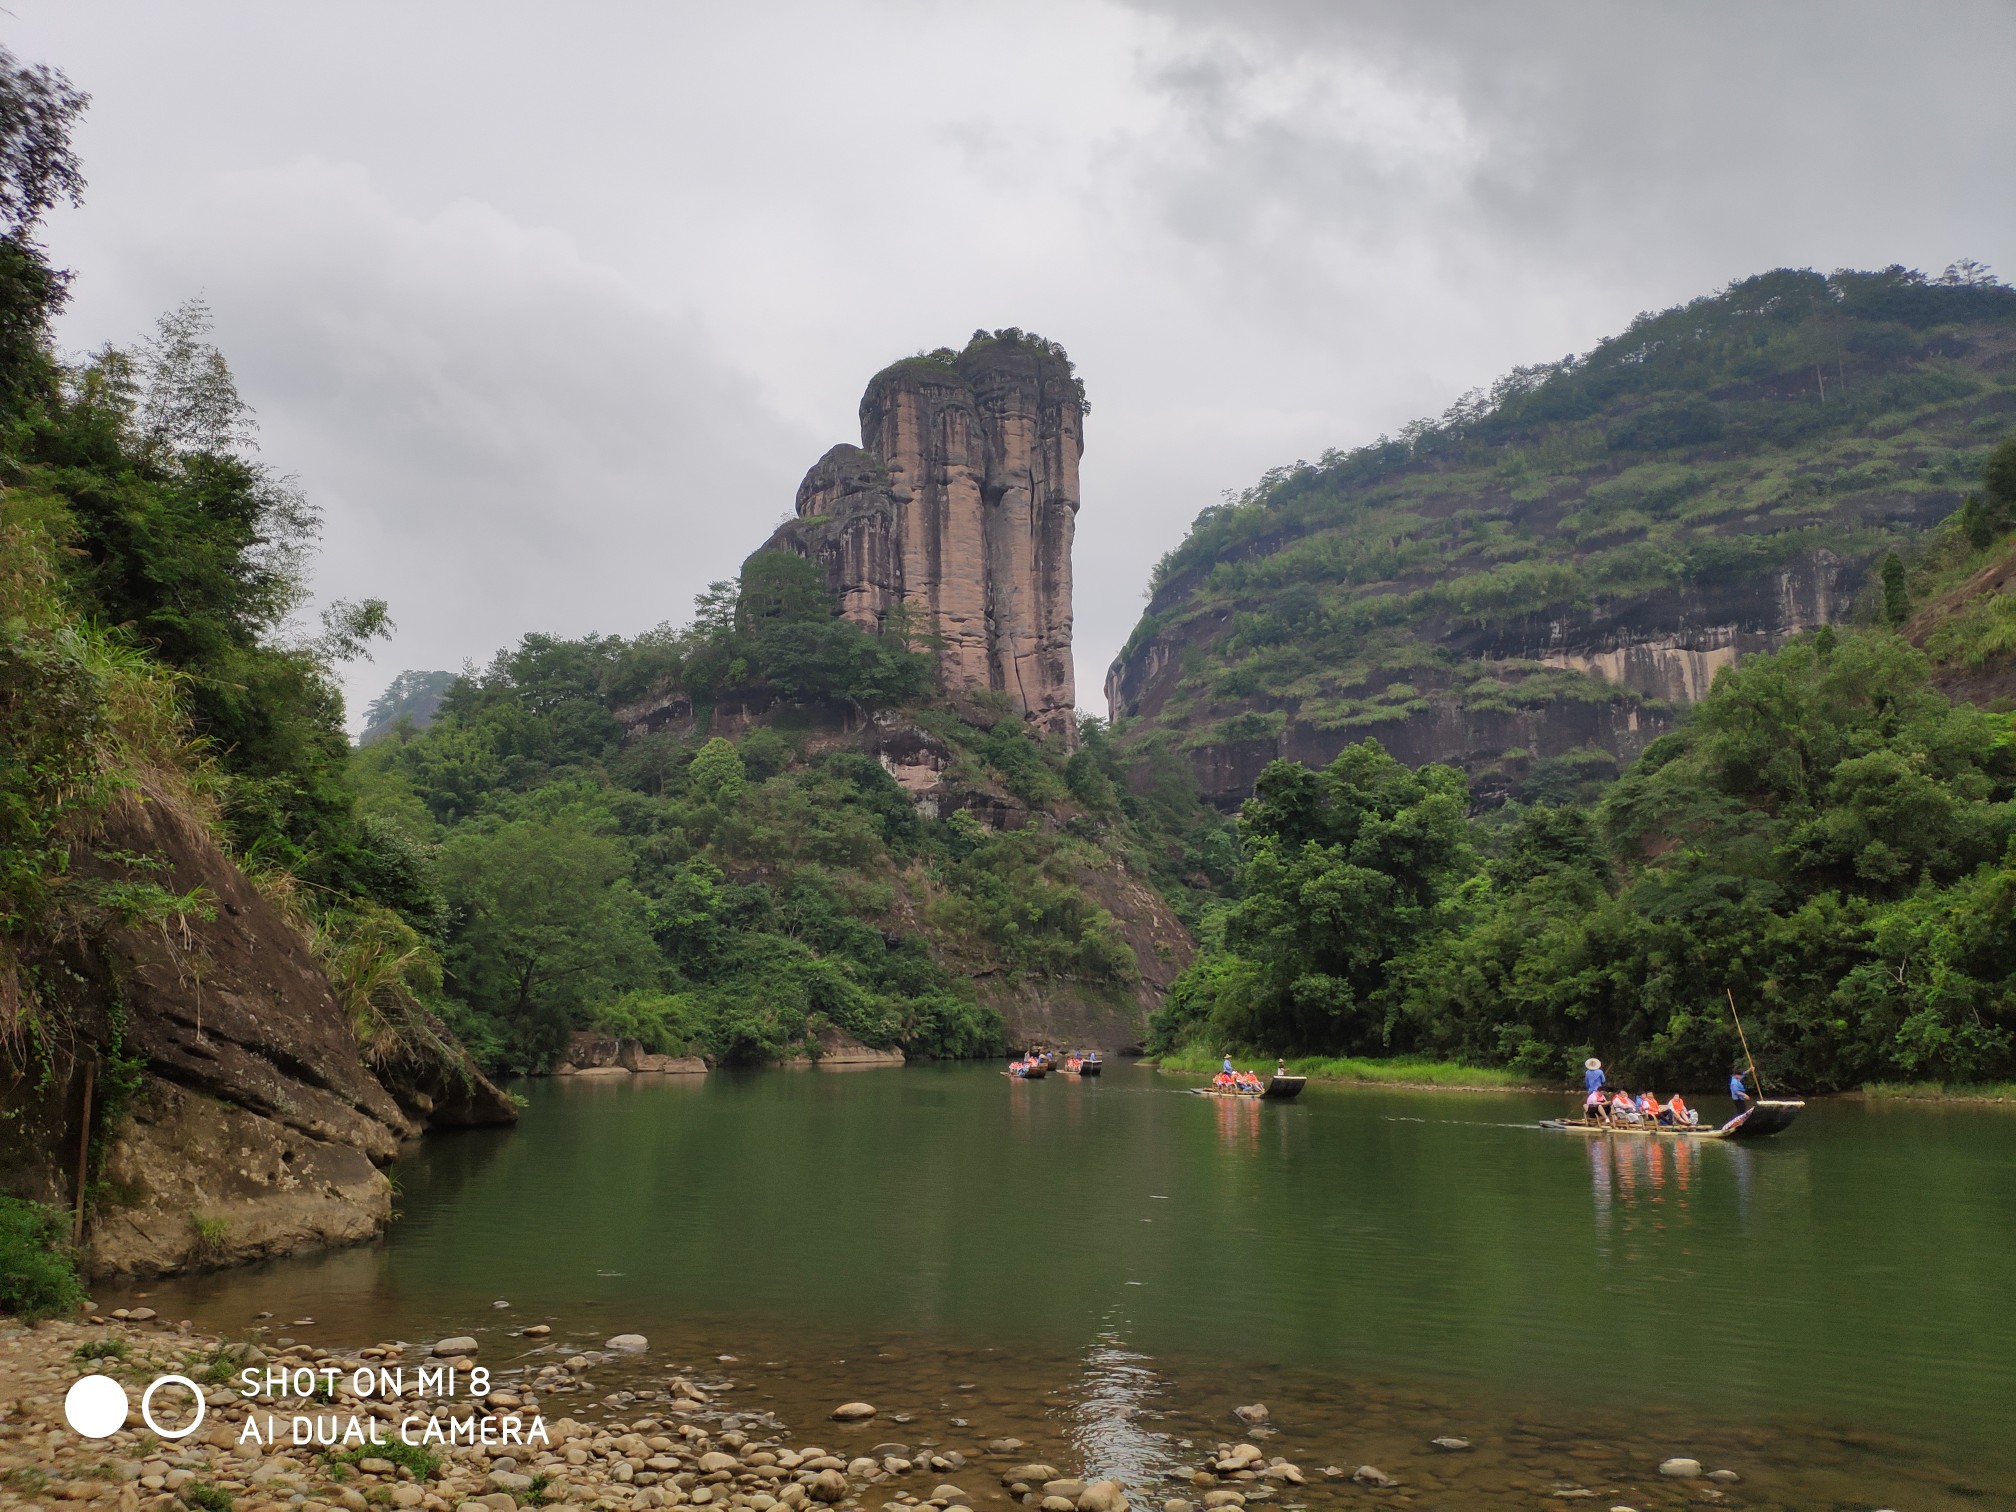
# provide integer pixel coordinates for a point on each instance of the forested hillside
(731, 898)
(1827, 837)
(1534, 585)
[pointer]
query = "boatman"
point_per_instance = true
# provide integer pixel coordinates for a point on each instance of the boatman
(1738, 1092)
(1228, 1064)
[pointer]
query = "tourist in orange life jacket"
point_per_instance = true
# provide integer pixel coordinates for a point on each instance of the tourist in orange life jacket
(1648, 1107)
(1679, 1114)
(1623, 1109)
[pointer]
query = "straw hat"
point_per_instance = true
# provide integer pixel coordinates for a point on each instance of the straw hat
(1592, 1064)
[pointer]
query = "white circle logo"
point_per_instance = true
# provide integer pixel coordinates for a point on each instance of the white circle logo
(96, 1406)
(146, 1403)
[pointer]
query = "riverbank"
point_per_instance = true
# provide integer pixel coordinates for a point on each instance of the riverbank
(1961, 1092)
(1402, 1072)
(424, 1448)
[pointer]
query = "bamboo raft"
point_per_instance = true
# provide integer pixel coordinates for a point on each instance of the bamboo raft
(1766, 1117)
(1278, 1089)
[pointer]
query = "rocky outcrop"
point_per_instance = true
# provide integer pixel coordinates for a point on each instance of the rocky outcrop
(952, 522)
(235, 1115)
(590, 1052)
(1648, 657)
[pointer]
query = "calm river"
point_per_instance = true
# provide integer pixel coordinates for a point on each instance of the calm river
(1104, 1269)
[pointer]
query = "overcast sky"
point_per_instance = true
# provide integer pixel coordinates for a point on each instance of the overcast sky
(550, 306)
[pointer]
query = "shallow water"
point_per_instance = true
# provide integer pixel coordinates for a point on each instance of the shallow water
(1110, 1266)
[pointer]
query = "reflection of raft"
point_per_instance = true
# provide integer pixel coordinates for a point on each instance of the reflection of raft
(1765, 1118)
(1278, 1089)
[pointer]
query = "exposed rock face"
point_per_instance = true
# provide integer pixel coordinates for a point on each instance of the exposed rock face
(1660, 651)
(253, 1126)
(956, 514)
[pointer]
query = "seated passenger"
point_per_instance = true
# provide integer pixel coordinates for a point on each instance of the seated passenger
(1594, 1108)
(1650, 1109)
(1624, 1108)
(1679, 1114)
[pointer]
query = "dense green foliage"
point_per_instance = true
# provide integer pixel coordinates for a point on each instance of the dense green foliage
(38, 1276)
(1827, 837)
(733, 899)
(1693, 456)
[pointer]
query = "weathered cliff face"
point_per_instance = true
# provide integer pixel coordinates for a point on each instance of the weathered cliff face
(251, 1125)
(958, 508)
(1652, 656)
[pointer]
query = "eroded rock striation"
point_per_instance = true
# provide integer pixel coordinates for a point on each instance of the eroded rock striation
(234, 1114)
(952, 522)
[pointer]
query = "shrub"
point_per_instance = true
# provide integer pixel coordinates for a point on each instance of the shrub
(38, 1275)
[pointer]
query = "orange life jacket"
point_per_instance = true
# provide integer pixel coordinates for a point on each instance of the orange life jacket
(1651, 1105)
(1677, 1106)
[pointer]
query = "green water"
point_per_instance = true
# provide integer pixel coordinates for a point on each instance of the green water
(1841, 1293)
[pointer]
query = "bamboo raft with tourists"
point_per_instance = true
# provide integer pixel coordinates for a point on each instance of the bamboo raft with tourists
(1231, 1083)
(1756, 1117)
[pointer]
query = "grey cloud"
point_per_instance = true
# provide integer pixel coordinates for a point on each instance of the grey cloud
(550, 307)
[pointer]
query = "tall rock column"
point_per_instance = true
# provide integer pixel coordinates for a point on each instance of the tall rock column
(1031, 416)
(961, 503)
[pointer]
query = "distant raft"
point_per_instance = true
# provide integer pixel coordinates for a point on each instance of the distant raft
(1760, 1121)
(1278, 1089)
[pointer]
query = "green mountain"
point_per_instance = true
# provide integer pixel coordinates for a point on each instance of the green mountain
(1533, 587)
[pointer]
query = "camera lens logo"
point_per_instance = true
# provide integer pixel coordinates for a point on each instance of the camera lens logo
(97, 1407)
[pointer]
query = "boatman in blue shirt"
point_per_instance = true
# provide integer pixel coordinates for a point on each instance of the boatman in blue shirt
(1592, 1075)
(1228, 1065)
(1738, 1092)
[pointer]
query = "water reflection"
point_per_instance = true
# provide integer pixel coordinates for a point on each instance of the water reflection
(1239, 1123)
(1117, 1389)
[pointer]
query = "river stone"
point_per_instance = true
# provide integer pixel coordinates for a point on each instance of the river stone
(537, 1330)
(461, 1344)
(1223, 1498)
(1254, 1413)
(1372, 1475)
(628, 1343)
(1102, 1496)
(1057, 1504)
(510, 1480)
(861, 1467)
(714, 1460)
(895, 1464)
(1284, 1471)
(1003, 1445)
(1034, 1474)
(1178, 1504)
(1726, 1477)
(883, 1451)
(947, 1493)
(407, 1495)
(1680, 1468)
(828, 1486)
(1066, 1487)
(1451, 1445)
(852, 1412)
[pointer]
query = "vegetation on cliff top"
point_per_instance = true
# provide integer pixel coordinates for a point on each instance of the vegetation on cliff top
(1707, 445)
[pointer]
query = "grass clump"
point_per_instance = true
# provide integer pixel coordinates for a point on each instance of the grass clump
(1932, 1091)
(101, 1349)
(418, 1460)
(38, 1274)
(205, 1497)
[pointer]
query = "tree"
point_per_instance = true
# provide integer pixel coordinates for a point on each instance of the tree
(1344, 869)
(38, 106)
(545, 924)
(1896, 596)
